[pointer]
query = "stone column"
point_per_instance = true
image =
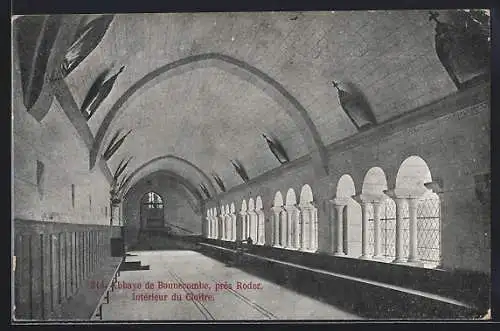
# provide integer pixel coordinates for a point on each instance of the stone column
(227, 232)
(216, 226)
(261, 227)
(413, 238)
(234, 228)
(314, 228)
(305, 223)
(339, 228)
(399, 223)
(377, 249)
(241, 225)
(115, 217)
(276, 225)
(364, 225)
(436, 187)
(290, 226)
(283, 227)
(210, 226)
(220, 232)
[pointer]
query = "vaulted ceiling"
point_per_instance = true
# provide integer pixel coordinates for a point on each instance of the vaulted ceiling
(200, 89)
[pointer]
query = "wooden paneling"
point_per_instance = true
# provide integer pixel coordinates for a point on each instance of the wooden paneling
(53, 261)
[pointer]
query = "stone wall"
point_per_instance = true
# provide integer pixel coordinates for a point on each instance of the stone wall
(452, 135)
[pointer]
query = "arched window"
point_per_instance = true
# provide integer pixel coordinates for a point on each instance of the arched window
(152, 210)
(348, 219)
(261, 233)
(244, 220)
(227, 220)
(252, 220)
(153, 201)
(308, 220)
(292, 240)
(232, 211)
(279, 220)
(381, 224)
(419, 239)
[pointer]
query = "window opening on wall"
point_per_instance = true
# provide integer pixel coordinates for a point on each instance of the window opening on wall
(73, 195)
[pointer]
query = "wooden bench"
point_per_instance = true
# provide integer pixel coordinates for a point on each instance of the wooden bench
(104, 299)
(84, 304)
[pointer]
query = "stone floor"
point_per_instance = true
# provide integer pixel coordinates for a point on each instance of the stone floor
(266, 301)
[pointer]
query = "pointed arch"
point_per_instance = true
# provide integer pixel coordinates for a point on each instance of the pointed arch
(306, 194)
(245, 71)
(345, 187)
(421, 212)
(375, 182)
(185, 164)
(308, 225)
(291, 198)
(251, 204)
(278, 199)
(258, 203)
(413, 173)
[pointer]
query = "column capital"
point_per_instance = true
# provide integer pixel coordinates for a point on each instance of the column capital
(435, 186)
(290, 207)
(340, 201)
(306, 206)
(362, 198)
(277, 209)
(243, 213)
(397, 194)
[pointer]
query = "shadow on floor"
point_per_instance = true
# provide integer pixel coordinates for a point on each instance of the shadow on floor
(359, 298)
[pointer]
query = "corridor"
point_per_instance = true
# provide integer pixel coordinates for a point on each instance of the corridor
(270, 302)
(282, 165)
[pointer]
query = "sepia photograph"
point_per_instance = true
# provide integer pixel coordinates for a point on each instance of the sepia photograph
(251, 166)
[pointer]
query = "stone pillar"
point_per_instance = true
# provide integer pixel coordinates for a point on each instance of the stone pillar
(216, 225)
(115, 214)
(413, 238)
(364, 225)
(210, 226)
(220, 230)
(276, 225)
(339, 228)
(233, 227)
(240, 225)
(227, 227)
(436, 187)
(399, 230)
(290, 215)
(314, 229)
(399, 223)
(377, 236)
(283, 227)
(306, 220)
(261, 230)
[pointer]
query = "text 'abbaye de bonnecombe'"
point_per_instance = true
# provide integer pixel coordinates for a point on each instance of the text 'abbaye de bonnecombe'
(178, 291)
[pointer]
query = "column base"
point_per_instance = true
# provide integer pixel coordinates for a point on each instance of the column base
(415, 263)
(398, 261)
(365, 257)
(339, 254)
(379, 258)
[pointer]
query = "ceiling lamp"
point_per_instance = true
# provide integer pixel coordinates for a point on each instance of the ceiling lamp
(356, 108)
(277, 149)
(462, 45)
